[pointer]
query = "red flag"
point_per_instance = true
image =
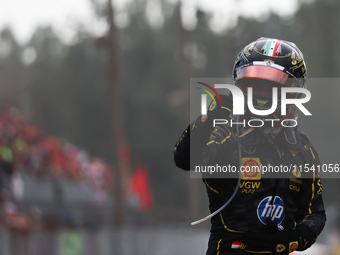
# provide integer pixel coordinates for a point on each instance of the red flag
(140, 186)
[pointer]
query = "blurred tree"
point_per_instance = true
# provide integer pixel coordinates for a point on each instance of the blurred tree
(11, 67)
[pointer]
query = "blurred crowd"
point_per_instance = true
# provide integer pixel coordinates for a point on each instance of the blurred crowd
(28, 149)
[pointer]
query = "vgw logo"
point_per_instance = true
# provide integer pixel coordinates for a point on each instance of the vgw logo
(238, 103)
(271, 209)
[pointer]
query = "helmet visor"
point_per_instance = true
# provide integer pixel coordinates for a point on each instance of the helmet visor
(266, 73)
(263, 78)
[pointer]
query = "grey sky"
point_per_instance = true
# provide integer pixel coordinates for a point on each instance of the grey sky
(65, 15)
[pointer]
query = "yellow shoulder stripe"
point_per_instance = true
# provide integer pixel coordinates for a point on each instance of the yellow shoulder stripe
(312, 153)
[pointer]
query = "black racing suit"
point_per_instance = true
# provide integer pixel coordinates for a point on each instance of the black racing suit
(294, 199)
